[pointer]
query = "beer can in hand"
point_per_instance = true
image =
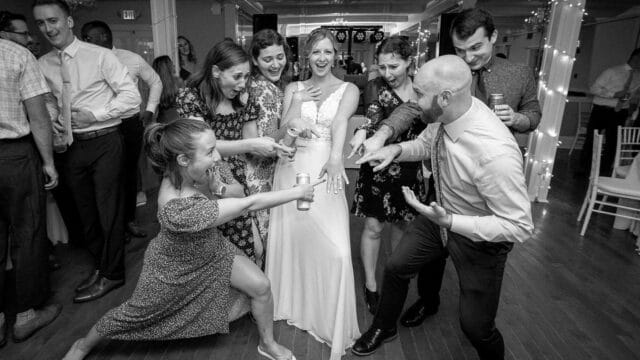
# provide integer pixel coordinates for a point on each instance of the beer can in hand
(495, 99)
(303, 178)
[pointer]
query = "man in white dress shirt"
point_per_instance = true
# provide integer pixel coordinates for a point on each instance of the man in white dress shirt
(98, 93)
(613, 92)
(483, 206)
(99, 33)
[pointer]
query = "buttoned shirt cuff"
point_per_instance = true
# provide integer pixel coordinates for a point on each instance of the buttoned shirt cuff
(100, 114)
(463, 225)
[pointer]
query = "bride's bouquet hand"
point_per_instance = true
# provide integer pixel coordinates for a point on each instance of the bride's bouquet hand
(336, 175)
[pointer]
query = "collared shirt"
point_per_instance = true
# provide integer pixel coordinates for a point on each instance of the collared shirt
(611, 81)
(20, 80)
(500, 76)
(481, 176)
(139, 69)
(99, 83)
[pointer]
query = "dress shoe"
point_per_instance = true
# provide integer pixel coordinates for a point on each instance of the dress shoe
(90, 280)
(100, 288)
(371, 340)
(371, 298)
(3, 334)
(135, 230)
(42, 318)
(416, 314)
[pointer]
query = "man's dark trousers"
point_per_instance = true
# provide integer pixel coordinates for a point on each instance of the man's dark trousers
(92, 170)
(480, 267)
(23, 224)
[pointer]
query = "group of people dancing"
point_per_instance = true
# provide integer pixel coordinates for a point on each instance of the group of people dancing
(230, 146)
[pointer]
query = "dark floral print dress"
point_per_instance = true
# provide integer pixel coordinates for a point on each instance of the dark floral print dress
(379, 195)
(226, 127)
(265, 108)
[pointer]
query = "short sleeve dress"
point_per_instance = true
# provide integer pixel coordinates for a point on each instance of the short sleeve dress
(226, 127)
(265, 102)
(379, 195)
(184, 289)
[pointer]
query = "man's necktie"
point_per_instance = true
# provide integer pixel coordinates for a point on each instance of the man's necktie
(65, 111)
(437, 157)
(625, 88)
(480, 91)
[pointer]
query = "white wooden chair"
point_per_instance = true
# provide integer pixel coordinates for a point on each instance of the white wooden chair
(606, 186)
(627, 148)
(584, 111)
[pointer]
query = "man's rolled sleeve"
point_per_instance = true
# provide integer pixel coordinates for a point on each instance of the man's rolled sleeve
(401, 119)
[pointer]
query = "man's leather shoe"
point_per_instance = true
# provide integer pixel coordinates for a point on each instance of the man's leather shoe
(135, 230)
(90, 280)
(371, 340)
(416, 314)
(42, 318)
(100, 288)
(3, 334)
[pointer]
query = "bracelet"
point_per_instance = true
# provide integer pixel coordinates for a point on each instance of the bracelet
(220, 191)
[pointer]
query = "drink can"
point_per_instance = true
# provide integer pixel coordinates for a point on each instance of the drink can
(495, 99)
(303, 178)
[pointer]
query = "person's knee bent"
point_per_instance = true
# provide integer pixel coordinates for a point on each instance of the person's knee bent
(261, 287)
(373, 227)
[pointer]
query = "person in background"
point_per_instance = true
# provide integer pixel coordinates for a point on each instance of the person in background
(613, 92)
(482, 207)
(213, 96)
(187, 56)
(339, 70)
(13, 27)
(191, 274)
(378, 197)
(94, 92)
(171, 84)
(132, 127)
(26, 171)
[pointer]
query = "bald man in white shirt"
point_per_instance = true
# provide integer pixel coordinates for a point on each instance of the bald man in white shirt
(482, 208)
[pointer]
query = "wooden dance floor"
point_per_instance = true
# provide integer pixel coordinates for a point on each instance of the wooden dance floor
(563, 297)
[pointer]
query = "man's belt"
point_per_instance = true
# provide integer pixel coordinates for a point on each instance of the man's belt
(94, 133)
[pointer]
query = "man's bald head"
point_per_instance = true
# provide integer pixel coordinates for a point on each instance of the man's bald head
(447, 72)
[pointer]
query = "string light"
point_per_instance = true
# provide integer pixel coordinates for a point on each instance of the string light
(553, 89)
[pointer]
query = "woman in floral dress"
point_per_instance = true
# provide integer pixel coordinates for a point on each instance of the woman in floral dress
(213, 95)
(269, 59)
(378, 196)
(191, 274)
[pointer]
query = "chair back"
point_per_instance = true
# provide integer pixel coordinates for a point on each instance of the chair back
(595, 157)
(628, 145)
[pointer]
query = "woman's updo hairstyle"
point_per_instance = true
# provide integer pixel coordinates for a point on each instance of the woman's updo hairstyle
(398, 45)
(164, 142)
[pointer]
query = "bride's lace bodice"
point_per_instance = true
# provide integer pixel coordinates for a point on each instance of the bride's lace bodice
(322, 116)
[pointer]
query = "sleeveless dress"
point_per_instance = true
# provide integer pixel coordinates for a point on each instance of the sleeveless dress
(227, 127)
(379, 194)
(184, 289)
(308, 252)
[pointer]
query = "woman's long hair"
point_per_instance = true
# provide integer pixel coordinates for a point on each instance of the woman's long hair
(192, 54)
(165, 70)
(224, 55)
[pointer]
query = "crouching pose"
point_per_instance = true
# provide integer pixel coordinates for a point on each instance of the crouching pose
(191, 274)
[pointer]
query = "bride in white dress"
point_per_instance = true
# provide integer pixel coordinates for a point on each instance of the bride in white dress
(308, 252)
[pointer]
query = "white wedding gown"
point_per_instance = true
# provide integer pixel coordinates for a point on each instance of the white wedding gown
(308, 252)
